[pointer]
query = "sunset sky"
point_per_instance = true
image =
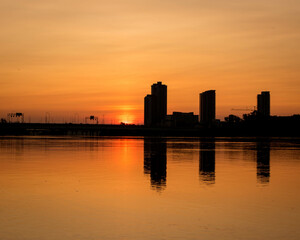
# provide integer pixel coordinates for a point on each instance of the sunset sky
(74, 58)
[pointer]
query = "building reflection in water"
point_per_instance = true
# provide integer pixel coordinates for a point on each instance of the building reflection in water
(263, 162)
(207, 162)
(155, 161)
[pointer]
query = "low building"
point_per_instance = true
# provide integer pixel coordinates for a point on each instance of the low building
(181, 120)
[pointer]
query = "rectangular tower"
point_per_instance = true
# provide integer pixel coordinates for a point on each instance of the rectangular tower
(148, 110)
(159, 102)
(263, 104)
(208, 106)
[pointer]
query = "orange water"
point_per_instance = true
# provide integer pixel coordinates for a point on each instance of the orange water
(136, 188)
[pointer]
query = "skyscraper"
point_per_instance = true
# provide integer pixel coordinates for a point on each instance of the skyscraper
(208, 106)
(148, 110)
(155, 105)
(159, 94)
(263, 104)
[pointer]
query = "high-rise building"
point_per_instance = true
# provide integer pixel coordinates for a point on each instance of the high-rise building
(208, 106)
(155, 108)
(159, 94)
(263, 104)
(148, 110)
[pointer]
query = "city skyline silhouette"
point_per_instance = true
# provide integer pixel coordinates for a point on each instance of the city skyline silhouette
(149, 120)
(74, 59)
(155, 111)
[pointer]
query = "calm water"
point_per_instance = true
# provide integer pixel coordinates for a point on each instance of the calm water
(110, 188)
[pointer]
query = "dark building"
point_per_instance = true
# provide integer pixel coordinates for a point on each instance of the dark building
(263, 104)
(155, 162)
(155, 108)
(148, 112)
(232, 119)
(181, 120)
(159, 93)
(208, 106)
(207, 162)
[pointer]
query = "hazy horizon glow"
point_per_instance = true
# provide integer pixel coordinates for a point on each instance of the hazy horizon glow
(73, 58)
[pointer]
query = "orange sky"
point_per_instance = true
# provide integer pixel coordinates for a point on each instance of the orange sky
(75, 58)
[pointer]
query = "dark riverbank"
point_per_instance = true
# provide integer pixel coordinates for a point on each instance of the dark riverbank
(245, 130)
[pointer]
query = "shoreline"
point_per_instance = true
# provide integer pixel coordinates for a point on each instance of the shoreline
(86, 130)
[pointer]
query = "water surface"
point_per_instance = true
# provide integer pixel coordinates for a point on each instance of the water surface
(152, 188)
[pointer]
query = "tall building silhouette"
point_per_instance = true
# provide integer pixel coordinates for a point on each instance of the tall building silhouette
(208, 106)
(148, 110)
(155, 105)
(263, 104)
(155, 161)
